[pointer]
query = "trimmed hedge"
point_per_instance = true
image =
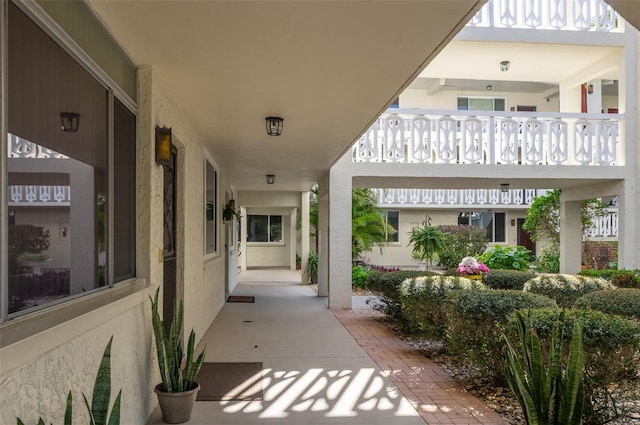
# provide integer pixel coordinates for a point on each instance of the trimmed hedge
(610, 342)
(423, 300)
(387, 285)
(476, 322)
(507, 279)
(565, 289)
(623, 302)
(619, 278)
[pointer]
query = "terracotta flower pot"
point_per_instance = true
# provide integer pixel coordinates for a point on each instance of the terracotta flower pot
(176, 407)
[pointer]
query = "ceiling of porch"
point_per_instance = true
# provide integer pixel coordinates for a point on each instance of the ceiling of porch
(329, 68)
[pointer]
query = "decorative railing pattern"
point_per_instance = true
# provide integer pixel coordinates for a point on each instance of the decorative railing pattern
(605, 226)
(39, 194)
(474, 137)
(457, 197)
(572, 15)
(18, 147)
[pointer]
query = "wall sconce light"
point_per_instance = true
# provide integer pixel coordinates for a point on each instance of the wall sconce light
(504, 187)
(274, 126)
(489, 87)
(69, 121)
(504, 66)
(163, 146)
(271, 179)
(590, 88)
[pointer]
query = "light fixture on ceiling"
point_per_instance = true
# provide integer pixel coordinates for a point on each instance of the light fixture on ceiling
(274, 126)
(590, 88)
(163, 146)
(489, 87)
(504, 187)
(69, 121)
(504, 66)
(271, 179)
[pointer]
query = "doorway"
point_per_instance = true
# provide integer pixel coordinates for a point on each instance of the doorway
(524, 239)
(169, 252)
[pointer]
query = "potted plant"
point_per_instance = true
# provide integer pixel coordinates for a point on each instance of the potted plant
(472, 268)
(427, 241)
(229, 212)
(178, 390)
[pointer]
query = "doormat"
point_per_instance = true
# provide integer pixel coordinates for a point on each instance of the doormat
(230, 381)
(240, 299)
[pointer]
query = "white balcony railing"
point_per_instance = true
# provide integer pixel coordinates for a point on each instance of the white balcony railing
(605, 226)
(36, 194)
(22, 148)
(572, 15)
(475, 137)
(457, 197)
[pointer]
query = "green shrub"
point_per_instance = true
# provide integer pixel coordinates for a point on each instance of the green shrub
(460, 241)
(563, 288)
(359, 277)
(620, 278)
(507, 258)
(476, 321)
(611, 345)
(626, 280)
(423, 300)
(623, 302)
(387, 285)
(507, 279)
(549, 260)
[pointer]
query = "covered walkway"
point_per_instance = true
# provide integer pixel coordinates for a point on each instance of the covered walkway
(324, 367)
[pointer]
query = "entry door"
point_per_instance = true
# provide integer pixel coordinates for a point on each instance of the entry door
(524, 239)
(169, 255)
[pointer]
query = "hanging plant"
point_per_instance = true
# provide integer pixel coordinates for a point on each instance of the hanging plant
(229, 212)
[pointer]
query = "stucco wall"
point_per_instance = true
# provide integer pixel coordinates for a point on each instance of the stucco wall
(447, 99)
(37, 372)
(399, 253)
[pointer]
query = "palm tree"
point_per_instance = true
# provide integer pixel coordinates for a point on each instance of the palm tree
(427, 241)
(368, 226)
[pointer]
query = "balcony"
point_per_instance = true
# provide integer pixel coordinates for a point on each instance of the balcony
(37, 195)
(458, 198)
(568, 15)
(492, 138)
(605, 227)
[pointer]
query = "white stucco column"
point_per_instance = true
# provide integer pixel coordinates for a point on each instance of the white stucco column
(243, 238)
(304, 234)
(340, 235)
(628, 198)
(322, 232)
(293, 235)
(570, 237)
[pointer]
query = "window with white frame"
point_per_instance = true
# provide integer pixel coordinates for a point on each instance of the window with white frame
(210, 208)
(493, 222)
(264, 228)
(481, 103)
(72, 226)
(392, 219)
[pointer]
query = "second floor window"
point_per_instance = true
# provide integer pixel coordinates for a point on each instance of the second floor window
(264, 228)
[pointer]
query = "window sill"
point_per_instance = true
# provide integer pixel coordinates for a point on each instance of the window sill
(25, 338)
(261, 244)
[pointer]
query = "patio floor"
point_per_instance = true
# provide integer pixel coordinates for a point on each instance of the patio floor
(325, 367)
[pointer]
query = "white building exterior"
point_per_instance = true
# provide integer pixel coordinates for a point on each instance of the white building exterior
(209, 72)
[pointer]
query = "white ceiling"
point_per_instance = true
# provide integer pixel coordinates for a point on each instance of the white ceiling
(329, 68)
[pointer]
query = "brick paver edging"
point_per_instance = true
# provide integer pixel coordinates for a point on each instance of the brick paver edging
(435, 395)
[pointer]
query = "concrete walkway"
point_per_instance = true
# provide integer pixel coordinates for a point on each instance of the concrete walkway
(317, 370)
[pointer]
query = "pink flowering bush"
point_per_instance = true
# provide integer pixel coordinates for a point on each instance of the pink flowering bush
(470, 265)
